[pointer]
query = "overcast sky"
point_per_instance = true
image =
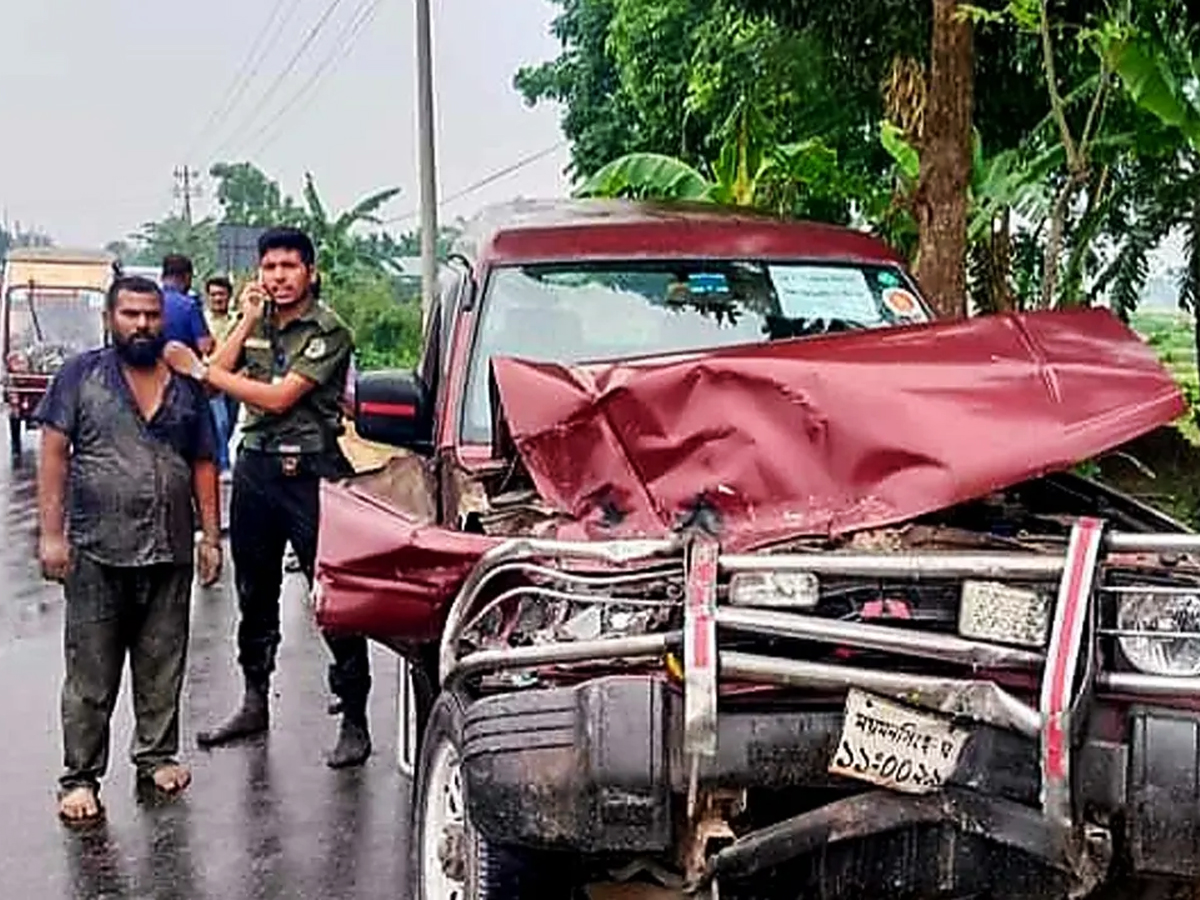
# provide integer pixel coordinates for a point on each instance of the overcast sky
(100, 100)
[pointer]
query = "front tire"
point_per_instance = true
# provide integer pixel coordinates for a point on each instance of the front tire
(449, 859)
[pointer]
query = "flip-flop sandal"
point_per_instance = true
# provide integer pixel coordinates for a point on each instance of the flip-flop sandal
(80, 821)
(183, 782)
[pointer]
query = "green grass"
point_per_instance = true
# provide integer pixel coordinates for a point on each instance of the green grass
(1173, 338)
(1168, 459)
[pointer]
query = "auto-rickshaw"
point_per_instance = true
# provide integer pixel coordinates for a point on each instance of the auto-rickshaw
(51, 308)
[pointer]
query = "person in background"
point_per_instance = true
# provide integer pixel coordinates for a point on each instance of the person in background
(219, 291)
(183, 319)
(286, 360)
(126, 463)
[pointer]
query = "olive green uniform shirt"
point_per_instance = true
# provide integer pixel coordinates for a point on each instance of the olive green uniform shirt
(317, 345)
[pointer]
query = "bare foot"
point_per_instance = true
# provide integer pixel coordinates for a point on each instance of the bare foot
(172, 778)
(79, 805)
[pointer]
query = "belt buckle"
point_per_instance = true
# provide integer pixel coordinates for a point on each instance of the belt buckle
(289, 460)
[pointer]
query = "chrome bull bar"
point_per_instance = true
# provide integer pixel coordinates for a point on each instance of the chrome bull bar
(978, 699)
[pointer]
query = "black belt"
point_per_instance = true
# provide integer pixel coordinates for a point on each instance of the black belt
(256, 443)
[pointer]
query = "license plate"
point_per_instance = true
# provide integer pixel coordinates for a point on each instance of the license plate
(896, 747)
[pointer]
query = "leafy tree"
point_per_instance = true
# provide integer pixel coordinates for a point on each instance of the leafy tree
(662, 77)
(409, 244)
(659, 77)
(1156, 62)
(174, 234)
(387, 325)
(340, 251)
(248, 197)
(801, 178)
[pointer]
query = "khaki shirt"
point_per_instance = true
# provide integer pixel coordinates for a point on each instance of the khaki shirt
(219, 326)
(317, 345)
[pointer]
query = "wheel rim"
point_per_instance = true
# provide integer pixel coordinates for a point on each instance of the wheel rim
(443, 829)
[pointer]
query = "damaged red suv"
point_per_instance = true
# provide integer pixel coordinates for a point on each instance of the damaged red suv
(720, 569)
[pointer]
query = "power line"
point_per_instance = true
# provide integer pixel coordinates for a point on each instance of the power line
(313, 33)
(255, 57)
(483, 182)
(344, 43)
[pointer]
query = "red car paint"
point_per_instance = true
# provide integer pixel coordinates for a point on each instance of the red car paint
(557, 231)
(802, 437)
(831, 435)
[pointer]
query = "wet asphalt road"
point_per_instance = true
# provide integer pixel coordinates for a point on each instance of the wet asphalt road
(262, 820)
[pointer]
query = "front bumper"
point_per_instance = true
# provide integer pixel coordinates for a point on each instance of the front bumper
(600, 768)
(1059, 748)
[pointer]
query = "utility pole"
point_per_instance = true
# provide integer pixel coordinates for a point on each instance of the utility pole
(428, 160)
(185, 187)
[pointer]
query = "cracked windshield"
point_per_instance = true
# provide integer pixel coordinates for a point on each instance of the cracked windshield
(572, 313)
(600, 450)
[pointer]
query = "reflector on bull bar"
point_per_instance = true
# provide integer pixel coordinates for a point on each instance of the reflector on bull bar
(700, 649)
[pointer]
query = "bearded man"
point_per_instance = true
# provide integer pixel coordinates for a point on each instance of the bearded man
(127, 469)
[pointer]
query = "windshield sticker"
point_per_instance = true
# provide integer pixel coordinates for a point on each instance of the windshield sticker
(708, 283)
(903, 304)
(824, 292)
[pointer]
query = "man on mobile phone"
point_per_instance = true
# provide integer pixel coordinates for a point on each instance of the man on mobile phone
(286, 360)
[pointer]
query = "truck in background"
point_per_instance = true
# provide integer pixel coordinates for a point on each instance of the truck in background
(51, 307)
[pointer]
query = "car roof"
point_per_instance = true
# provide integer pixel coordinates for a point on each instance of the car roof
(529, 231)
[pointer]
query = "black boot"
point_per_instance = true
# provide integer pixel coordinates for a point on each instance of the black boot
(353, 744)
(253, 718)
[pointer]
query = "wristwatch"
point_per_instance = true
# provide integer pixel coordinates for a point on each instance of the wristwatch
(200, 371)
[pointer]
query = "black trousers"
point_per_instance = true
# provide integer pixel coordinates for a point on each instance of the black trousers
(271, 507)
(111, 612)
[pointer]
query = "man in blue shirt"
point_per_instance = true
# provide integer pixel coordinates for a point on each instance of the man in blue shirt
(183, 320)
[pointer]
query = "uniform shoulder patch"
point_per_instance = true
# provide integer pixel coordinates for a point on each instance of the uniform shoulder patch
(316, 348)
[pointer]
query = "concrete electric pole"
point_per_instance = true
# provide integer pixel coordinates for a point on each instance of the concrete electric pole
(427, 158)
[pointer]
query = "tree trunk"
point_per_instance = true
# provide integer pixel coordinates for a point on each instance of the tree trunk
(1002, 261)
(946, 162)
(1193, 263)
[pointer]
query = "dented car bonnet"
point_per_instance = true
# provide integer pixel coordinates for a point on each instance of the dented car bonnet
(761, 443)
(827, 436)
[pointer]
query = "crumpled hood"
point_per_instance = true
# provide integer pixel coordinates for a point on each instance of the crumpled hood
(835, 434)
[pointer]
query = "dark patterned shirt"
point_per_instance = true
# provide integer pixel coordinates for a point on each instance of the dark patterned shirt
(130, 484)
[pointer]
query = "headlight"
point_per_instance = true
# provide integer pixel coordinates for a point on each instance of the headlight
(779, 590)
(1176, 617)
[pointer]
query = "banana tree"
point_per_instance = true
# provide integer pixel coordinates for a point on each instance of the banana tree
(800, 178)
(1003, 186)
(1160, 73)
(341, 252)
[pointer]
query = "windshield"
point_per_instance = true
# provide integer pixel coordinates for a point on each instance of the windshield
(573, 313)
(58, 323)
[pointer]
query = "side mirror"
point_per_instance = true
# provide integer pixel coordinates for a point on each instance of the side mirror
(393, 407)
